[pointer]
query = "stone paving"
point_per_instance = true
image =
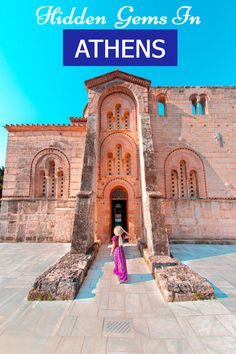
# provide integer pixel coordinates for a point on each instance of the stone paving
(217, 264)
(109, 318)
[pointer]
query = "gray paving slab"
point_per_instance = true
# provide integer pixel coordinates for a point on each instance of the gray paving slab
(108, 318)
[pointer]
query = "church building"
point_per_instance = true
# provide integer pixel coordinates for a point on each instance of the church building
(160, 161)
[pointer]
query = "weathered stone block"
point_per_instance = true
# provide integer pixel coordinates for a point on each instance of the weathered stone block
(156, 262)
(12, 207)
(177, 281)
(3, 230)
(180, 283)
(63, 280)
(20, 234)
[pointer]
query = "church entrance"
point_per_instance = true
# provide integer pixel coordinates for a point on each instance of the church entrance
(119, 208)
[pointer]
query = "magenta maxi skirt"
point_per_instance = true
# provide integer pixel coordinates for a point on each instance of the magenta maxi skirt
(120, 268)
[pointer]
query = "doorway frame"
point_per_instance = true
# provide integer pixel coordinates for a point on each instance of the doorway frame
(103, 210)
(127, 208)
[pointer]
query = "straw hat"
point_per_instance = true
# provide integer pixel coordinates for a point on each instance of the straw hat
(118, 230)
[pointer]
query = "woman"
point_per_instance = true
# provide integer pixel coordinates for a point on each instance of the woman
(120, 268)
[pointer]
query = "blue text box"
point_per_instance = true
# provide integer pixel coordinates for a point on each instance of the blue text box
(120, 47)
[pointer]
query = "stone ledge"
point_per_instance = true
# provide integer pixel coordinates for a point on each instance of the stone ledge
(176, 281)
(180, 283)
(63, 280)
(154, 261)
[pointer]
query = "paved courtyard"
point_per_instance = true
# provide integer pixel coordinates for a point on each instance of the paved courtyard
(110, 318)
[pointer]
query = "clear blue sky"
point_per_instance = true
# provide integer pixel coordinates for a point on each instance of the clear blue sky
(36, 88)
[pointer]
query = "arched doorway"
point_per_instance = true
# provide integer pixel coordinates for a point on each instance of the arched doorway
(119, 208)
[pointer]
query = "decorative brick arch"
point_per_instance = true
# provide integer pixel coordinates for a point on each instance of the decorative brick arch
(199, 103)
(133, 205)
(162, 94)
(114, 91)
(118, 183)
(108, 145)
(194, 163)
(193, 93)
(41, 161)
(131, 201)
(162, 99)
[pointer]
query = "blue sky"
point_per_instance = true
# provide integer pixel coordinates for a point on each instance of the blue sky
(36, 88)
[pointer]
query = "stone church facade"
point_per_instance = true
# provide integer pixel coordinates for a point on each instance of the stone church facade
(160, 161)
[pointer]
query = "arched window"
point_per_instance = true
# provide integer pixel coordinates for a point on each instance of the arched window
(118, 120)
(126, 120)
(60, 184)
(199, 104)
(203, 105)
(194, 102)
(52, 179)
(50, 175)
(110, 120)
(193, 186)
(199, 109)
(127, 164)
(184, 175)
(110, 164)
(182, 187)
(118, 116)
(118, 162)
(118, 151)
(183, 180)
(43, 184)
(174, 184)
(161, 106)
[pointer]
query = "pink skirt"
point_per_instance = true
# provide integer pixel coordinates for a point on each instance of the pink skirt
(120, 268)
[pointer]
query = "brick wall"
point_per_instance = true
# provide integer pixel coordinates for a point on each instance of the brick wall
(35, 220)
(201, 220)
(22, 148)
(204, 219)
(24, 218)
(182, 129)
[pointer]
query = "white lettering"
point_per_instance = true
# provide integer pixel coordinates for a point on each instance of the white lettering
(159, 49)
(122, 23)
(95, 45)
(68, 20)
(79, 20)
(150, 20)
(46, 13)
(82, 48)
(108, 48)
(146, 51)
(183, 16)
(54, 15)
(126, 47)
(163, 20)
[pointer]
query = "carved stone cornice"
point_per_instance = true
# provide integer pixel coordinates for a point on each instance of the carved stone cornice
(117, 74)
(45, 127)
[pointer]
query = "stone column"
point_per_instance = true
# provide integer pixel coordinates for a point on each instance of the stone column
(83, 230)
(153, 213)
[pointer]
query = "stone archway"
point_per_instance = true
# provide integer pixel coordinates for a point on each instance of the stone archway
(119, 208)
(104, 211)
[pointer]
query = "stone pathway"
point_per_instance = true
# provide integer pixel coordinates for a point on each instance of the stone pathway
(217, 264)
(106, 317)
